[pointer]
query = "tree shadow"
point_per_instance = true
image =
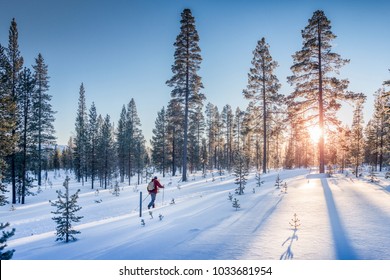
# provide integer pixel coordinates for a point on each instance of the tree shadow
(288, 254)
(343, 249)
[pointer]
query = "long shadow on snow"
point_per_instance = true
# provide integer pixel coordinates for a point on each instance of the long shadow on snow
(288, 254)
(344, 250)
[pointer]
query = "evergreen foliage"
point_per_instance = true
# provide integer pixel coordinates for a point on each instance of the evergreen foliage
(318, 92)
(357, 139)
(5, 255)
(81, 138)
(262, 88)
(236, 204)
(159, 142)
(278, 182)
(66, 211)
(43, 115)
(241, 172)
(186, 82)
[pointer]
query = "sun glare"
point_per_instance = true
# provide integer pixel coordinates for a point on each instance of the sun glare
(315, 133)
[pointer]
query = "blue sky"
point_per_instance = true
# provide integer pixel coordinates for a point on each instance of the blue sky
(123, 49)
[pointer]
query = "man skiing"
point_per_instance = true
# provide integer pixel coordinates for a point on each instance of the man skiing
(153, 190)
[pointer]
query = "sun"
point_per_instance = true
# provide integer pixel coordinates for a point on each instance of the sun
(315, 133)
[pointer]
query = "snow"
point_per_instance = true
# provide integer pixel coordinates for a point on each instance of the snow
(341, 218)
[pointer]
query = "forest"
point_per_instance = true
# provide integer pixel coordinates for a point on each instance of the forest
(275, 131)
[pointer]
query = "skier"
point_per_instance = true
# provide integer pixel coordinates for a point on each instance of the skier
(153, 192)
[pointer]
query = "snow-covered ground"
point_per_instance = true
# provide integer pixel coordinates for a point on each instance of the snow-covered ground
(340, 218)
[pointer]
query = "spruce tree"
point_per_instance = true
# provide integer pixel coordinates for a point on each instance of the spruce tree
(159, 142)
(13, 69)
(7, 121)
(25, 89)
(106, 151)
(381, 123)
(318, 91)
(185, 81)
(66, 211)
(227, 118)
(93, 131)
(195, 134)
(241, 172)
(5, 255)
(133, 131)
(174, 134)
(262, 88)
(81, 138)
(357, 137)
(43, 116)
(121, 146)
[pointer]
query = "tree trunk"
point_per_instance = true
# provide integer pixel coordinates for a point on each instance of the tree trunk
(264, 125)
(321, 108)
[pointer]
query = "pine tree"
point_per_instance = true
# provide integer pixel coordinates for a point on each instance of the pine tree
(227, 118)
(5, 255)
(43, 116)
(7, 121)
(25, 89)
(159, 142)
(241, 172)
(106, 151)
(186, 82)
(66, 211)
(357, 137)
(133, 134)
(237, 129)
(195, 134)
(278, 182)
(262, 88)
(121, 141)
(381, 124)
(174, 133)
(93, 131)
(213, 132)
(80, 141)
(236, 204)
(13, 69)
(318, 92)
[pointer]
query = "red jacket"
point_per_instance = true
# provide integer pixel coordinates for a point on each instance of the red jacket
(156, 186)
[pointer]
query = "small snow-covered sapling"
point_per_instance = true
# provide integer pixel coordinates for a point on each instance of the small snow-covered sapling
(230, 197)
(160, 217)
(259, 182)
(151, 214)
(235, 204)
(278, 182)
(172, 201)
(295, 222)
(142, 222)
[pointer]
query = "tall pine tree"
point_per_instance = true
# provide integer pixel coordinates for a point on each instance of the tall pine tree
(262, 88)
(81, 138)
(43, 116)
(185, 81)
(357, 137)
(14, 67)
(318, 91)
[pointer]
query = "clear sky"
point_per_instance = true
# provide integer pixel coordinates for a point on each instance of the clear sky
(123, 49)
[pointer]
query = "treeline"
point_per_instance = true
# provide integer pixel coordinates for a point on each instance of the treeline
(274, 131)
(26, 119)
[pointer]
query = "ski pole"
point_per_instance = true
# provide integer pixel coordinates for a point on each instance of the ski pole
(163, 196)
